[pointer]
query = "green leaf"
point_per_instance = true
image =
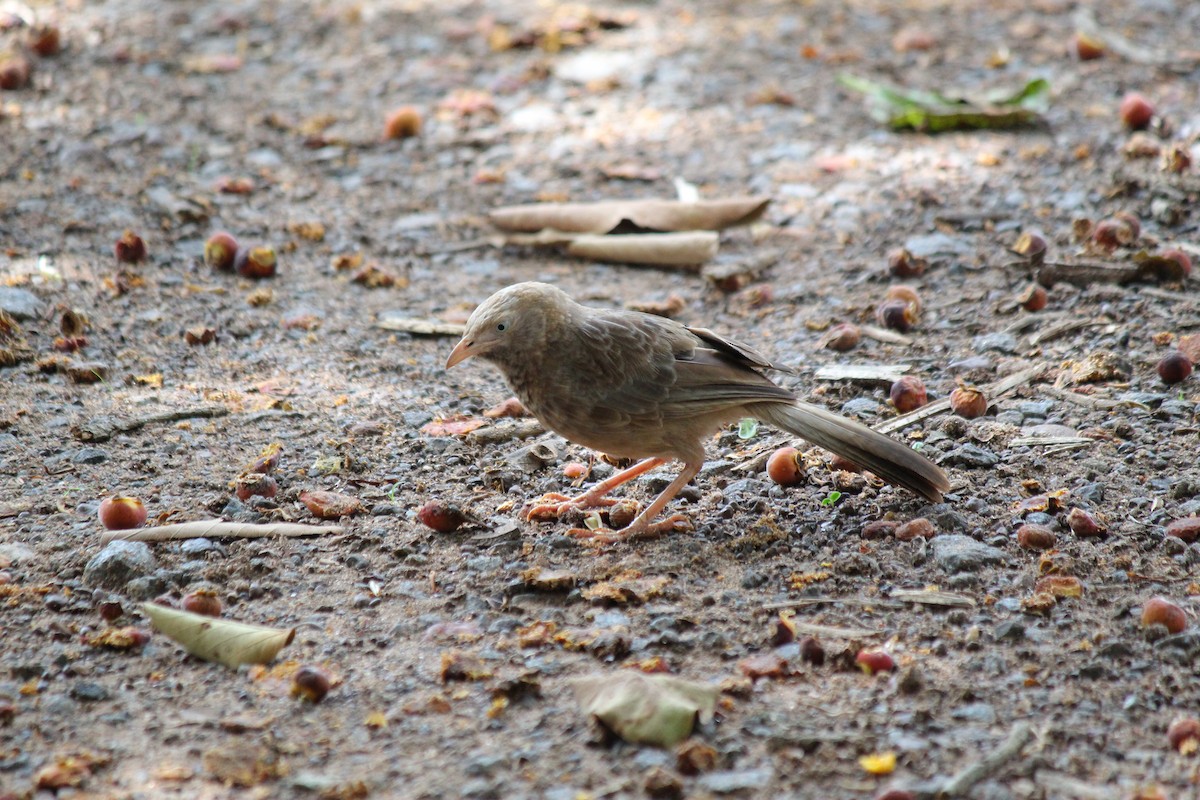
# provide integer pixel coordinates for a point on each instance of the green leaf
(831, 498)
(936, 111)
(747, 428)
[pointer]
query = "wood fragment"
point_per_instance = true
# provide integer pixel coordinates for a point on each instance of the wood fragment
(885, 335)
(1058, 785)
(1086, 23)
(992, 392)
(505, 431)
(989, 764)
(870, 373)
(832, 631)
(1084, 273)
(804, 602)
(1061, 328)
(1085, 400)
(101, 429)
(1052, 441)
(685, 250)
(215, 529)
(646, 215)
(396, 321)
(932, 598)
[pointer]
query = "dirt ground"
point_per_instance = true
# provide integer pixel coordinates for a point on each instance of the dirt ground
(264, 119)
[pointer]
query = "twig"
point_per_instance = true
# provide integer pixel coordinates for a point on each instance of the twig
(961, 783)
(1052, 441)
(833, 632)
(1059, 785)
(882, 373)
(932, 598)
(817, 601)
(215, 528)
(991, 392)
(1087, 401)
(101, 429)
(884, 335)
(1060, 328)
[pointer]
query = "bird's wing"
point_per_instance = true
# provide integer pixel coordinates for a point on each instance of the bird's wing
(648, 365)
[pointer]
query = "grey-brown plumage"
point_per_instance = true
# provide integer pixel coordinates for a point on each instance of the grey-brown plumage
(640, 386)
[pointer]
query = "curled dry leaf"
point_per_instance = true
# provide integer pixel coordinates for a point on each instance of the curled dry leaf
(645, 215)
(656, 709)
(224, 641)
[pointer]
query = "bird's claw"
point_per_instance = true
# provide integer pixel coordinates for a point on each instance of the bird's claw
(650, 530)
(553, 505)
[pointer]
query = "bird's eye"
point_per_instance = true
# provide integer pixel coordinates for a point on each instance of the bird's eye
(503, 326)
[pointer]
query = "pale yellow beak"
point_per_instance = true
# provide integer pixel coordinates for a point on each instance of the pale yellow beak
(461, 352)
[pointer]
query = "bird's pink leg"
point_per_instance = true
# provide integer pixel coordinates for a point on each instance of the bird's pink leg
(642, 527)
(554, 505)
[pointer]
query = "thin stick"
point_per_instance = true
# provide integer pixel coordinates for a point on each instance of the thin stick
(991, 392)
(101, 429)
(216, 528)
(960, 784)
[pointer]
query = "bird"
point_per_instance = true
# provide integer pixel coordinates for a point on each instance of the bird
(639, 386)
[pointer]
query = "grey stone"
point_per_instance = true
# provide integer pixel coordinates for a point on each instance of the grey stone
(118, 563)
(971, 456)
(88, 692)
(730, 781)
(982, 713)
(16, 553)
(1000, 342)
(958, 553)
(21, 304)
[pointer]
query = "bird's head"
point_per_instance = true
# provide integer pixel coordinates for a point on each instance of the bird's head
(516, 314)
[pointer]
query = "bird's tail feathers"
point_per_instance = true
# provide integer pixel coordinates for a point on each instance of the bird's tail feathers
(871, 450)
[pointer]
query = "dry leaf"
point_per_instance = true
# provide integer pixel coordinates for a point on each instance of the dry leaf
(396, 321)
(690, 248)
(646, 709)
(644, 215)
(224, 641)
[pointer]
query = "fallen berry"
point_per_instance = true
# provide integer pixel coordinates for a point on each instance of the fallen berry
(1181, 258)
(1084, 524)
(1086, 47)
(904, 264)
(130, 249)
(257, 262)
(874, 661)
(220, 251)
(255, 484)
(908, 394)
(1184, 735)
(1136, 111)
(1187, 529)
(1160, 611)
(842, 337)
(784, 467)
(122, 513)
(202, 601)
(919, 528)
(402, 123)
(1174, 368)
(1035, 537)
(311, 683)
(442, 517)
(968, 402)
(1034, 298)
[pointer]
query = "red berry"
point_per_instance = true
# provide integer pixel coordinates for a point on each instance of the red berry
(311, 683)
(784, 467)
(130, 249)
(202, 601)
(908, 394)
(121, 513)
(1136, 111)
(220, 250)
(1159, 611)
(402, 123)
(442, 517)
(968, 402)
(874, 661)
(1174, 368)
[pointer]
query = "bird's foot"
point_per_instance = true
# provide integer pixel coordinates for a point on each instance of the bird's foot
(553, 505)
(645, 530)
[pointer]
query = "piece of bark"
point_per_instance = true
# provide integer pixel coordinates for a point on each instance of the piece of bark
(645, 215)
(216, 529)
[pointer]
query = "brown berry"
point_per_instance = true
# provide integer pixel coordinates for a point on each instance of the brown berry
(896, 314)
(1035, 537)
(1032, 246)
(896, 794)
(919, 528)
(842, 337)
(812, 651)
(1184, 734)
(202, 601)
(220, 250)
(121, 513)
(1084, 524)
(906, 293)
(784, 467)
(1034, 298)
(1187, 529)
(1174, 368)
(1136, 111)
(258, 262)
(268, 459)
(904, 264)
(879, 529)
(110, 610)
(45, 40)
(1134, 226)
(1160, 611)
(908, 394)
(968, 402)
(130, 249)
(255, 484)
(1086, 47)
(442, 517)
(874, 661)
(311, 683)
(1181, 258)
(402, 123)
(14, 71)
